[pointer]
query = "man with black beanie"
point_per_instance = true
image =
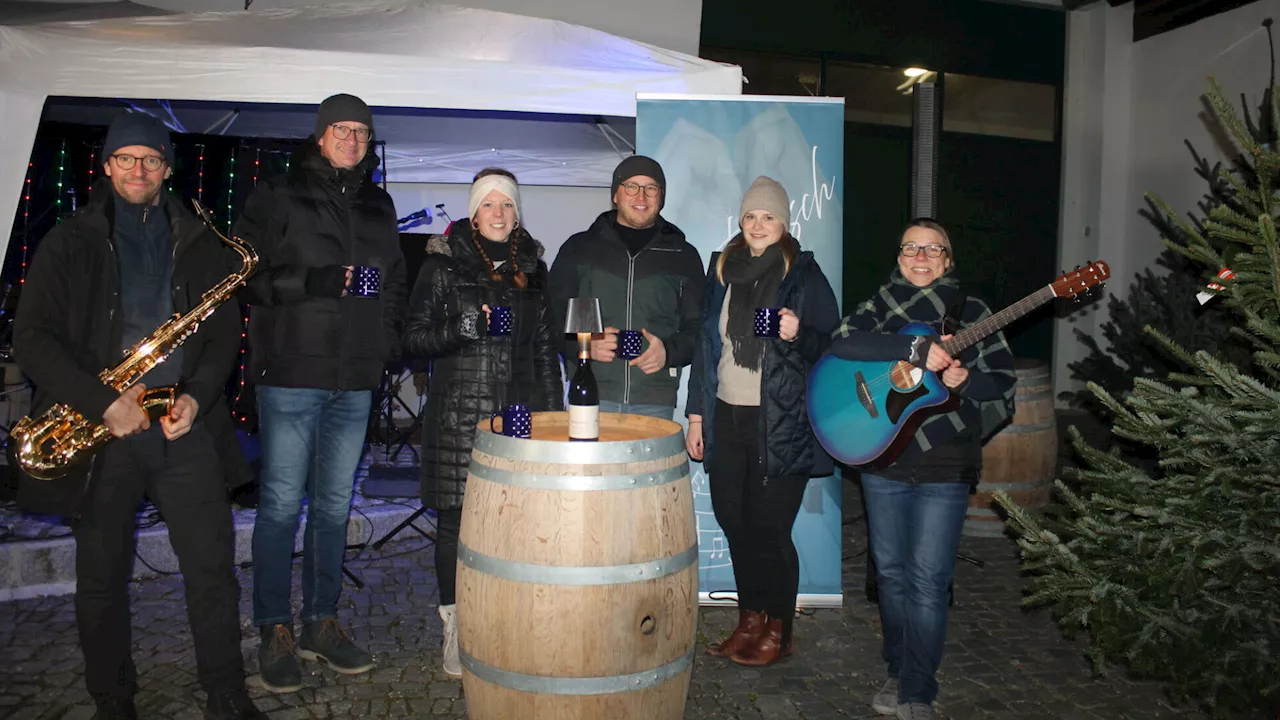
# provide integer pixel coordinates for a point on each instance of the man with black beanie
(648, 278)
(317, 351)
(101, 281)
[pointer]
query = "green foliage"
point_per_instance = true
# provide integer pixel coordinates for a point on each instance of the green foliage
(1172, 567)
(1164, 300)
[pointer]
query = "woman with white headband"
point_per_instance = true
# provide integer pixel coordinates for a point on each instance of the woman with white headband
(471, 278)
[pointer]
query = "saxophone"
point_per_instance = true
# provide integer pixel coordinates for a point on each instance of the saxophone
(49, 445)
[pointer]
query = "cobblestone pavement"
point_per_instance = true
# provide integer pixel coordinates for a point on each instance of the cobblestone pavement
(1001, 662)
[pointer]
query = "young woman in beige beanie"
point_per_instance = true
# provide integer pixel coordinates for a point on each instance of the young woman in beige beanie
(767, 318)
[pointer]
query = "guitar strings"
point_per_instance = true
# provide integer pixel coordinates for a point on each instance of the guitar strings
(977, 331)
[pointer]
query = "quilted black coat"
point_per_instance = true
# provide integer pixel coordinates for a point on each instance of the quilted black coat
(472, 374)
(787, 443)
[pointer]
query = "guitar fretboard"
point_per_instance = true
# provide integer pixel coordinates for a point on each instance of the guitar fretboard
(970, 335)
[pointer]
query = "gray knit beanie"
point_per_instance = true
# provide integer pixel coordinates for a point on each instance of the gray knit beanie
(766, 194)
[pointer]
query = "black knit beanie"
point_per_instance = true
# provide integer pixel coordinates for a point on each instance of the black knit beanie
(136, 128)
(639, 165)
(339, 108)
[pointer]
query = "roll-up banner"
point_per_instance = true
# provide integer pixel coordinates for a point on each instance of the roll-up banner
(711, 148)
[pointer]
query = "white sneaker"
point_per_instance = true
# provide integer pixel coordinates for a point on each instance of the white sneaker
(452, 663)
(914, 711)
(886, 701)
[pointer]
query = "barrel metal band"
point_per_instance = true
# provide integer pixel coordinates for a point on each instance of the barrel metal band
(580, 483)
(579, 453)
(1044, 482)
(543, 685)
(1035, 397)
(1027, 429)
(582, 575)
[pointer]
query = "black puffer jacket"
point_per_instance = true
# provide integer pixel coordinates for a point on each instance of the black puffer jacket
(317, 216)
(473, 374)
(788, 446)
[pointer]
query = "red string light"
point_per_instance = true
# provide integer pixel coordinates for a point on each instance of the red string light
(200, 177)
(26, 222)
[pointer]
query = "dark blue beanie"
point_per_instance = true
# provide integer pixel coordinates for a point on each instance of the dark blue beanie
(135, 128)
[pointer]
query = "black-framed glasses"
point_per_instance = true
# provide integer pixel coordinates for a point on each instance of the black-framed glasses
(913, 250)
(150, 163)
(342, 132)
(650, 191)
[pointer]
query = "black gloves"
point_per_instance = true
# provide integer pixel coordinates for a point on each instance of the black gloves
(327, 281)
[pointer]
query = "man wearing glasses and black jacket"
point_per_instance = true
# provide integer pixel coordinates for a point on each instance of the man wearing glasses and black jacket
(648, 278)
(318, 346)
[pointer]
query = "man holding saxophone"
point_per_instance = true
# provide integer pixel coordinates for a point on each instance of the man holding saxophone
(100, 282)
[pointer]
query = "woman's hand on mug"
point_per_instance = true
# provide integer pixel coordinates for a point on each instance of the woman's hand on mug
(693, 438)
(788, 325)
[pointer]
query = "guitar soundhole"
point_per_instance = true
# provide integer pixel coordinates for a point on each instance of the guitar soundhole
(905, 376)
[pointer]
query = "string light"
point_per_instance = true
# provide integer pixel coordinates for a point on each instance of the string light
(26, 223)
(200, 176)
(93, 159)
(244, 327)
(231, 188)
(62, 164)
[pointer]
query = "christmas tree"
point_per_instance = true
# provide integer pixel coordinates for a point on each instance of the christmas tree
(1164, 300)
(1172, 568)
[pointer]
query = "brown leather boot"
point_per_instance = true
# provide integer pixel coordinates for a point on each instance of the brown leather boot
(750, 623)
(773, 644)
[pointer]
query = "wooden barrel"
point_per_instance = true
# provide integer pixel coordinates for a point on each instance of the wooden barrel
(1022, 459)
(578, 573)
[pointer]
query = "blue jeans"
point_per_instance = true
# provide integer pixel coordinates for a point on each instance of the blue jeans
(311, 444)
(915, 533)
(666, 412)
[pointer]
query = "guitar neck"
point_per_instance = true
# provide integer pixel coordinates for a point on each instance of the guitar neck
(970, 335)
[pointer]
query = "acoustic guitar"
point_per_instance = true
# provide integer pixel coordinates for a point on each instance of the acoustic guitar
(866, 412)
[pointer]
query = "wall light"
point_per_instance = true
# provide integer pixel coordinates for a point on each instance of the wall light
(914, 72)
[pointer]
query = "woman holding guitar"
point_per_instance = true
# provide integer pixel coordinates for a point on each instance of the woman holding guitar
(916, 497)
(767, 317)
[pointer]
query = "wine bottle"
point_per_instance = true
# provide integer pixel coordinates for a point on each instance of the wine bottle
(584, 402)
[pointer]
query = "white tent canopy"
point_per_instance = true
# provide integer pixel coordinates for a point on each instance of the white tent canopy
(401, 56)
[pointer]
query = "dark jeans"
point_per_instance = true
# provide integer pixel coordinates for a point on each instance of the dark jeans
(182, 478)
(915, 533)
(311, 444)
(447, 524)
(756, 513)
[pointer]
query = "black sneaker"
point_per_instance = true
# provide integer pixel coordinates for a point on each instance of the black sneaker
(116, 709)
(232, 705)
(277, 663)
(326, 641)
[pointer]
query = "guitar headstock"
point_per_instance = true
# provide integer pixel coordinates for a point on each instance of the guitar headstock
(1076, 282)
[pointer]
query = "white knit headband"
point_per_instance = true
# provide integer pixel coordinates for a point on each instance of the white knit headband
(481, 188)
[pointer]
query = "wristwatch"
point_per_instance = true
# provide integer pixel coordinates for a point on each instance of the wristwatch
(919, 351)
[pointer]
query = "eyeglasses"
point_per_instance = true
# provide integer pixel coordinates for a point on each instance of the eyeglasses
(150, 163)
(913, 250)
(342, 132)
(650, 191)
